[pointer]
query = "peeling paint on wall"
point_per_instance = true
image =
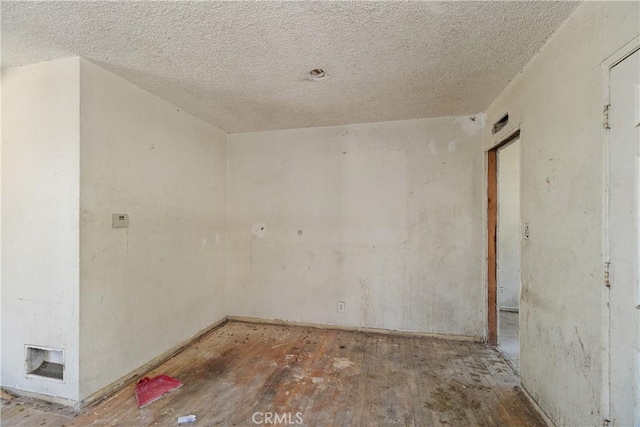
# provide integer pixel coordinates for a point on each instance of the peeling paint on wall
(471, 125)
(433, 147)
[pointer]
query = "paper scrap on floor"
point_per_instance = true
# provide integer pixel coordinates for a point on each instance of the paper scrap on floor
(187, 419)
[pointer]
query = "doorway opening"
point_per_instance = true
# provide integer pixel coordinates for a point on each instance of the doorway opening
(508, 251)
(503, 193)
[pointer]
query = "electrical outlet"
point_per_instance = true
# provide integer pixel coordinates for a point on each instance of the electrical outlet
(501, 291)
(525, 231)
(341, 305)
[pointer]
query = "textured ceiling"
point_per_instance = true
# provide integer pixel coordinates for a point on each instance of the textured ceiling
(243, 66)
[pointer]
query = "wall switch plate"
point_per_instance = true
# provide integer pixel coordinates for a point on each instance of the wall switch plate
(119, 220)
(341, 305)
(525, 231)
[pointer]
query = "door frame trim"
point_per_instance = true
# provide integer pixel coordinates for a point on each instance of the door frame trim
(492, 228)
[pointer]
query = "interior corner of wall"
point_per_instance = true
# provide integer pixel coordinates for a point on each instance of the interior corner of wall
(482, 119)
(85, 65)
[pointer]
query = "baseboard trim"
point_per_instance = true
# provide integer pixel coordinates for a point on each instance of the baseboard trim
(537, 407)
(280, 322)
(44, 397)
(109, 390)
(530, 398)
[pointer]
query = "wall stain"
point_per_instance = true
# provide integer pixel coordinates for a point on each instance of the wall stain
(365, 293)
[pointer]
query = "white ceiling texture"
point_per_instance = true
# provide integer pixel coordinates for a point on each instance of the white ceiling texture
(244, 66)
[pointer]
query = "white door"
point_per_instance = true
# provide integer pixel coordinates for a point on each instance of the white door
(624, 118)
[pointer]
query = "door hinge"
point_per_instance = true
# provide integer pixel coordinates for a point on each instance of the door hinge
(605, 116)
(607, 267)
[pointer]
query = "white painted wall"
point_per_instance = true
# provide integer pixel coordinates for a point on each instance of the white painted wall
(40, 210)
(509, 226)
(386, 217)
(557, 100)
(150, 286)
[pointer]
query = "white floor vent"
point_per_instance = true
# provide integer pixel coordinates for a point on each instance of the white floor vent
(45, 362)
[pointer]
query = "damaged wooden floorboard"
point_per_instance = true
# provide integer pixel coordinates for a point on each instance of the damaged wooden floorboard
(322, 377)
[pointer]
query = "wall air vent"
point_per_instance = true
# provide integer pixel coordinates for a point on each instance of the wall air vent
(45, 362)
(500, 124)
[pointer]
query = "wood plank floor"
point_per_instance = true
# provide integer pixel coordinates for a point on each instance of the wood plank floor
(329, 377)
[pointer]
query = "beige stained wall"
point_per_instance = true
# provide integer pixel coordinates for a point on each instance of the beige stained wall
(148, 287)
(557, 101)
(386, 217)
(40, 233)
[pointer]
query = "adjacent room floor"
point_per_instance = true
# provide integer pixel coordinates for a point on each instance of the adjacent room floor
(509, 336)
(330, 377)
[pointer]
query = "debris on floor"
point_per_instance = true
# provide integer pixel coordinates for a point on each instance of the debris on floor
(149, 390)
(187, 419)
(5, 396)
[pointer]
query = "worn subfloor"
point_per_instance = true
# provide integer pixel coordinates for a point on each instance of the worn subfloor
(509, 336)
(329, 377)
